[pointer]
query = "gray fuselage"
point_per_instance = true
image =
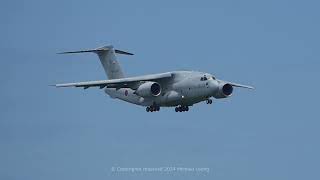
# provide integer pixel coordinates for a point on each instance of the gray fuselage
(185, 88)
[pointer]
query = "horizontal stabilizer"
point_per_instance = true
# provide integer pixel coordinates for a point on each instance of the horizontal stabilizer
(97, 50)
(122, 52)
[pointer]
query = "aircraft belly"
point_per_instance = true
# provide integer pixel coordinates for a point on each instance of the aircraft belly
(192, 92)
(180, 96)
(127, 94)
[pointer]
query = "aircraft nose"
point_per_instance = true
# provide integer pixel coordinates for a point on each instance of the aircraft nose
(213, 85)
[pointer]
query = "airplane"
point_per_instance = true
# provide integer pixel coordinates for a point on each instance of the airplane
(179, 89)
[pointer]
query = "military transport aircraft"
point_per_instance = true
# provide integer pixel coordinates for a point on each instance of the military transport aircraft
(179, 89)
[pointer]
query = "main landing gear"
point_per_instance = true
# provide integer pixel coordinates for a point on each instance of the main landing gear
(152, 108)
(209, 101)
(182, 108)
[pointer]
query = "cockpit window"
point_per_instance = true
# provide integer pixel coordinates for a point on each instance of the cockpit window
(204, 78)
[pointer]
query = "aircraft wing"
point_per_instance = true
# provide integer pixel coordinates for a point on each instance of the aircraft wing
(240, 85)
(237, 85)
(131, 82)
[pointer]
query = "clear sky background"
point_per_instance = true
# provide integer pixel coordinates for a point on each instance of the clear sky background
(269, 133)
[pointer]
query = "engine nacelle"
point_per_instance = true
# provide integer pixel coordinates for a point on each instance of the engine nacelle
(149, 89)
(225, 90)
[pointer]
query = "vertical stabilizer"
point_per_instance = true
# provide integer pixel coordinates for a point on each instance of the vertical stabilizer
(107, 56)
(109, 62)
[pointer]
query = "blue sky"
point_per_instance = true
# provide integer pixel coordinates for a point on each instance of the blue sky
(269, 133)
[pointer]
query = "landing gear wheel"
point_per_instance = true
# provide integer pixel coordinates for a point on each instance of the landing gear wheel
(182, 108)
(152, 108)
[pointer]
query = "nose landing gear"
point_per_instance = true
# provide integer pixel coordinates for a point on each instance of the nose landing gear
(209, 101)
(182, 108)
(153, 108)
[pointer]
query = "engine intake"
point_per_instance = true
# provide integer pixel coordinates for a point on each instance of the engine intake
(225, 90)
(148, 89)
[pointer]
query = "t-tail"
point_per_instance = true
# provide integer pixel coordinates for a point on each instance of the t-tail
(107, 56)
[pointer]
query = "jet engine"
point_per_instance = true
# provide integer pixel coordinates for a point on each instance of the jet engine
(225, 90)
(149, 89)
